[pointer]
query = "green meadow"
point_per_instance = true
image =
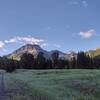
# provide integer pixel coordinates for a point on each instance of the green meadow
(64, 84)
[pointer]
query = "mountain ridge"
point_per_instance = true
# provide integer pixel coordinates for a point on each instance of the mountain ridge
(35, 49)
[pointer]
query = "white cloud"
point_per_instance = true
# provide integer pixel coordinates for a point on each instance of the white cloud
(57, 45)
(1, 44)
(73, 2)
(25, 39)
(11, 40)
(44, 45)
(87, 34)
(82, 3)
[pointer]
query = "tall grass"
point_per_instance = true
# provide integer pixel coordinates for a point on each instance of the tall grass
(55, 84)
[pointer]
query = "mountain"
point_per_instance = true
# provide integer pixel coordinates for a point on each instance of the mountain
(35, 49)
(61, 54)
(71, 54)
(28, 48)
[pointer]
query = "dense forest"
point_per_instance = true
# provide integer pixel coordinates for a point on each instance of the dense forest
(28, 61)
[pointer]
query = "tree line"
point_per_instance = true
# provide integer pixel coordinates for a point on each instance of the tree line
(28, 61)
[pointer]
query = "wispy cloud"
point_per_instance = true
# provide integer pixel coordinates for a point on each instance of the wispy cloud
(82, 3)
(44, 45)
(25, 39)
(1, 44)
(87, 34)
(57, 45)
(73, 2)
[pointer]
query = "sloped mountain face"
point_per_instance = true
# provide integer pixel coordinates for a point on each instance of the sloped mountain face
(71, 54)
(29, 48)
(94, 53)
(67, 55)
(61, 54)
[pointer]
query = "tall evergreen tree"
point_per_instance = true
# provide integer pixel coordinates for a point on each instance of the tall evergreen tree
(73, 63)
(55, 58)
(27, 61)
(41, 61)
(84, 61)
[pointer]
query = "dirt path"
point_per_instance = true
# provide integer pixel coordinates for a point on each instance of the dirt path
(2, 88)
(16, 91)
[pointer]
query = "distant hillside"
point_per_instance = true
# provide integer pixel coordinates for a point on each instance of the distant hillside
(94, 53)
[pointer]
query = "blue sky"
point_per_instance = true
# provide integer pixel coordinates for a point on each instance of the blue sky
(53, 24)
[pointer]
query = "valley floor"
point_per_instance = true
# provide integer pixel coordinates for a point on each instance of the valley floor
(63, 84)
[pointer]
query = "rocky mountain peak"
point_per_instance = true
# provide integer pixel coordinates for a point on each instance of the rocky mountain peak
(28, 48)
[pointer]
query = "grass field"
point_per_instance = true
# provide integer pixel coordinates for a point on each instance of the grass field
(53, 84)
